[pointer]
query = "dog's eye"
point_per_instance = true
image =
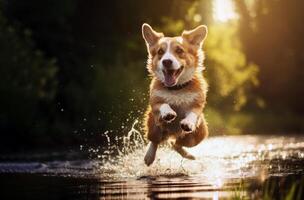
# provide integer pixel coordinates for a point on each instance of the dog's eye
(179, 51)
(160, 52)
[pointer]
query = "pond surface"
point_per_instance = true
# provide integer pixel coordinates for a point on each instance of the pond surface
(226, 167)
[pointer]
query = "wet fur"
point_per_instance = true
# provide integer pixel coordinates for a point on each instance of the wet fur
(183, 106)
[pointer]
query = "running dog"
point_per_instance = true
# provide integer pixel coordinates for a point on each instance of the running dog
(178, 90)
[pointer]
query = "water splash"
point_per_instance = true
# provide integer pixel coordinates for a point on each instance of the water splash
(128, 161)
(218, 158)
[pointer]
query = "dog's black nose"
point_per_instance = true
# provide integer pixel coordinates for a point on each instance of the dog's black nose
(167, 63)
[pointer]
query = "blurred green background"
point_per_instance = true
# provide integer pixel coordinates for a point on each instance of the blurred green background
(72, 70)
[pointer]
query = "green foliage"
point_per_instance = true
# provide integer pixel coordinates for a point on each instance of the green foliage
(27, 81)
(122, 92)
(230, 123)
(230, 77)
(271, 32)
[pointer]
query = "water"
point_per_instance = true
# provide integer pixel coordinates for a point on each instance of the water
(226, 167)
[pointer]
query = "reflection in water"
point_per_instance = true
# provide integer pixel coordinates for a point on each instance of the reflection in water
(224, 166)
(164, 188)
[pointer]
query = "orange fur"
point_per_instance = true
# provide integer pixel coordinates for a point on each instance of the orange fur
(190, 98)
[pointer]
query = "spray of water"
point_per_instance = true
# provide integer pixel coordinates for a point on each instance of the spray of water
(217, 158)
(128, 161)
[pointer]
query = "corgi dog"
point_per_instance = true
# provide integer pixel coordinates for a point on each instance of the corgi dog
(177, 91)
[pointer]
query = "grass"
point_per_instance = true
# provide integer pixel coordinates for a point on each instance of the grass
(239, 192)
(271, 190)
(294, 192)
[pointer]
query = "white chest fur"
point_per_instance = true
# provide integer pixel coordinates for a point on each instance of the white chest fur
(175, 97)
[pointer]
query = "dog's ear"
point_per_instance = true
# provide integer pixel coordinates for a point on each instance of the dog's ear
(196, 36)
(151, 37)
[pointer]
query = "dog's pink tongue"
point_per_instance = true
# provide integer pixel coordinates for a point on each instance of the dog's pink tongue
(170, 78)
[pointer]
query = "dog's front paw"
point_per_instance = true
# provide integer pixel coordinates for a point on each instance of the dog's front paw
(169, 117)
(167, 114)
(187, 125)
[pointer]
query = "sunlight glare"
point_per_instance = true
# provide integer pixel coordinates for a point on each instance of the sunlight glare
(223, 10)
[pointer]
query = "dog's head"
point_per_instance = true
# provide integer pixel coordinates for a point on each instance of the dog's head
(174, 60)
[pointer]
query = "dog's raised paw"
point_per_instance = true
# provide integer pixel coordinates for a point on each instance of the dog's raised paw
(166, 113)
(169, 117)
(187, 126)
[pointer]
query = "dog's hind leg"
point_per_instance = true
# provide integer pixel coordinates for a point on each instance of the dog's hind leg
(191, 139)
(183, 152)
(155, 135)
(150, 154)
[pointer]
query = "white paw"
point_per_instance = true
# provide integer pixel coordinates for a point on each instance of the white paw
(166, 113)
(150, 155)
(188, 124)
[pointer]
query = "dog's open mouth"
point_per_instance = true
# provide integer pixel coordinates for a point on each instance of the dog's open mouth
(171, 76)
